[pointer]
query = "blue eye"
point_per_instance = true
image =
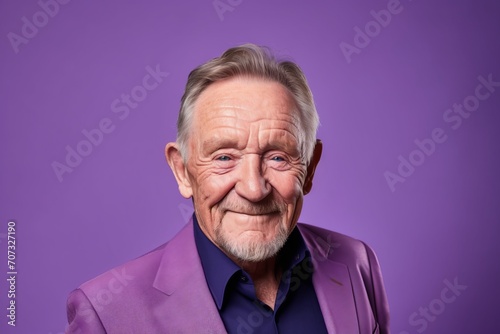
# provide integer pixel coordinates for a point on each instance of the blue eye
(223, 158)
(277, 158)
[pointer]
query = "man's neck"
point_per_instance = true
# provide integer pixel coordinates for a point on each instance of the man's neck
(266, 276)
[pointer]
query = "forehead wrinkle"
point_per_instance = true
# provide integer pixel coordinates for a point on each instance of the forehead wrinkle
(281, 139)
(219, 139)
(209, 128)
(282, 101)
(236, 101)
(263, 137)
(215, 114)
(239, 117)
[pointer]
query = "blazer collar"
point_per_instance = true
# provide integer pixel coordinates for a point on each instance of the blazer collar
(180, 276)
(332, 283)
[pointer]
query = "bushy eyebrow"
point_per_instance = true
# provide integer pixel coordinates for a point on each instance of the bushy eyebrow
(279, 147)
(214, 144)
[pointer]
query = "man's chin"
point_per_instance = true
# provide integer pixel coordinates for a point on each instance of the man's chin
(250, 250)
(251, 255)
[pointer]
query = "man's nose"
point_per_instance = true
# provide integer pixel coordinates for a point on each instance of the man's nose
(251, 184)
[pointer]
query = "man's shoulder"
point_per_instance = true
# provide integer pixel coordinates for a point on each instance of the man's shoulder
(136, 288)
(334, 245)
(139, 270)
(319, 235)
(139, 273)
(353, 265)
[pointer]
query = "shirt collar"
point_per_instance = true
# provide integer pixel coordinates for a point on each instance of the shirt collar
(219, 268)
(294, 251)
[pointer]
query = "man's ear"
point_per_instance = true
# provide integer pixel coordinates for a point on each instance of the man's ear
(176, 163)
(318, 149)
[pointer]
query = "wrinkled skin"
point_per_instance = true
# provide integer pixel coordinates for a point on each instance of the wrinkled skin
(244, 170)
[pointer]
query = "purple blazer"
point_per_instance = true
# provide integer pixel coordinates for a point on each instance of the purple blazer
(164, 291)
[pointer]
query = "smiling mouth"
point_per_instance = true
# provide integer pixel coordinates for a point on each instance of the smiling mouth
(255, 213)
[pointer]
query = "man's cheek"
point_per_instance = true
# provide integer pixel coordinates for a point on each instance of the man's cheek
(289, 188)
(217, 187)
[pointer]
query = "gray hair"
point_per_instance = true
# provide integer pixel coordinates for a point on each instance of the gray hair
(252, 61)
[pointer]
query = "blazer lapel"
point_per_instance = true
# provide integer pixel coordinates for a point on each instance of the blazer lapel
(333, 286)
(188, 306)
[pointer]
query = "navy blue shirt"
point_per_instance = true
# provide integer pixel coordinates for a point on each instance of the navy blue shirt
(296, 309)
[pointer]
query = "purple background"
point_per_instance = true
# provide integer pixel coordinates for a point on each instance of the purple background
(121, 201)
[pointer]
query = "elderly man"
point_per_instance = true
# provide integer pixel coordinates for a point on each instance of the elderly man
(246, 153)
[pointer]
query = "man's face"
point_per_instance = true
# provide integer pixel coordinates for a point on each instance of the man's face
(244, 169)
